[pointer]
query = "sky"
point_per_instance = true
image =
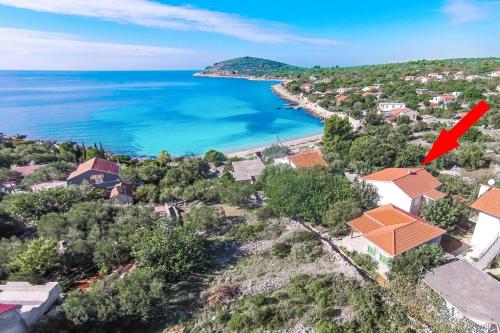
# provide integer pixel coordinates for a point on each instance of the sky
(173, 34)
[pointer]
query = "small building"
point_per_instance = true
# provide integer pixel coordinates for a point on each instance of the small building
(405, 188)
(443, 100)
(421, 91)
(386, 107)
(422, 79)
(396, 113)
(459, 75)
(468, 292)
(494, 73)
(168, 210)
(97, 172)
(307, 87)
(342, 90)
(485, 242)
(33, 301)
(409, 78)
(123, 192)
(8, 186)
(429, 119)
(389, 231)
(49, 184)
(306, 159)
(27, 170)
(247, 170)
(340, 99)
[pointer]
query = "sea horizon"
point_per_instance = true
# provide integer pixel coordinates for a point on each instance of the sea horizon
(141, 113)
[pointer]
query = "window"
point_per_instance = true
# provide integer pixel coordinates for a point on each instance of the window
(371, 250)
(383, 259)
(99, 181)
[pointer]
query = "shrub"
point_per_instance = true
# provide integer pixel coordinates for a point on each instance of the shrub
(281, 250)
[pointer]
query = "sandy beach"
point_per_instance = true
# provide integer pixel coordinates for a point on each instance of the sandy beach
(296, 144)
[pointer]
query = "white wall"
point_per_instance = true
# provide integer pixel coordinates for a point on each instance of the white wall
(391, 194)
(486, 231)
(382, 267)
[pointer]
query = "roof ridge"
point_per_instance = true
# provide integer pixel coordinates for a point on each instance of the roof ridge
(409, 173)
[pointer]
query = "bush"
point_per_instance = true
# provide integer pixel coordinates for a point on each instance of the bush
(412, 264)
(364, 261)
(445, 213)
(281, 250)
(306, 251)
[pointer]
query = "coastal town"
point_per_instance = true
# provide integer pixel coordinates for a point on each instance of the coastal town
(340, 232)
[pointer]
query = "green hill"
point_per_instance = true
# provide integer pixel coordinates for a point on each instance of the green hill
(247, 66)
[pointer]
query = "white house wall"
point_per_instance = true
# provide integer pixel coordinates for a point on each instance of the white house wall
(486, 231)
(391, 194)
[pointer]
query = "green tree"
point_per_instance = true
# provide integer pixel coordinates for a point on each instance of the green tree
(171, 252)
(208, 219)
(410, 156)
(411, 264)
(337, 135)
(337, 216)
(304, 194)
(445, 213)
(37, 261)
(29, 207)
(214, 156)
(116, 302)
(471, 156)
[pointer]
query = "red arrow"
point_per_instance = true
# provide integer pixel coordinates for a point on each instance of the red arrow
(447, 140)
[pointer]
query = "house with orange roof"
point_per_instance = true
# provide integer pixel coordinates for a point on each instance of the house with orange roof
(97, 172)
(385, 108)
(485, 241)
(388, 231)
(394, 114)
(405, 188)
(305, 159)
(123, 192)
(340, 99)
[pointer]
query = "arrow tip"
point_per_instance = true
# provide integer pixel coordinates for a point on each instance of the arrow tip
(443, 144)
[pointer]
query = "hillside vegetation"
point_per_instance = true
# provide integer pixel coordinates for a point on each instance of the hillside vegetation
(248, 66)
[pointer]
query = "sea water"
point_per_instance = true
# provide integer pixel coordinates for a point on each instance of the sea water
(144, 112)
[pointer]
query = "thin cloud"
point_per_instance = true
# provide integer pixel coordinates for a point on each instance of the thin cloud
(20, 48)
(157, 15)
(463, 11)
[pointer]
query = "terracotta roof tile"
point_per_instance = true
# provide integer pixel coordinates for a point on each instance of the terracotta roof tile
(308, 159)
(434, 194)
(489, 202)
(394, 230)
(122, 188)
(98, 164)
(413, 182)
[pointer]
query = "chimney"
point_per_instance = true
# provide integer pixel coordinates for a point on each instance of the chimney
(485, 188)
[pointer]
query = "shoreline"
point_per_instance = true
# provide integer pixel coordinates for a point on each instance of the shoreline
(293, 144)
(243, 77)
(301, 102)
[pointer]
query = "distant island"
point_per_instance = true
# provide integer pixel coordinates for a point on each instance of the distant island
(249, 68)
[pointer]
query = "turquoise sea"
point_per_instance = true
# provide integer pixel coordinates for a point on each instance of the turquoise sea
(144, 112)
